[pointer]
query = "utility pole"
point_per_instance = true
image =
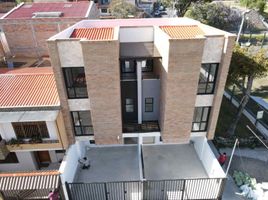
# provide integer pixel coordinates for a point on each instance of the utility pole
(241, 25)
(231, 158)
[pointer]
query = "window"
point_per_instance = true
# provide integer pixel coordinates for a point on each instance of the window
(207, 78)
(128, 66)
(200, 121)
(27, 130)
(75, 82)
(129, 105)
(149, 104)
(82, 123)
(148, 67)
(11, 158)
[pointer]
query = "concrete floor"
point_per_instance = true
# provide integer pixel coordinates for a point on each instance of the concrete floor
(109, 164)
(172, 162)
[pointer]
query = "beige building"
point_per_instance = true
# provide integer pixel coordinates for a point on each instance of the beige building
(140, 98)
(164, 76)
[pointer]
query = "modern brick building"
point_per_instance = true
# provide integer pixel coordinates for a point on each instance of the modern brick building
(25, 29)
(140, 98)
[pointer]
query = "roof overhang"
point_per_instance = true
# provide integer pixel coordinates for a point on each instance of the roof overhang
(28, 116)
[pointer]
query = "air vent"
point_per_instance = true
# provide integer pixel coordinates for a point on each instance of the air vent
(47, 14)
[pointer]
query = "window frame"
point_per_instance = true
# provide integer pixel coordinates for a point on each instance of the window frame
(150, 68)
(122, 66)
(201, 119)
(207, 82)
(129, 104)
(64, 70)
(152, 104)
(81, 126)
(43, 135)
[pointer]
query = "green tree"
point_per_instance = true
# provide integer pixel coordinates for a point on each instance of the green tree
(181, 5)
(258, 4)
(122, 9)
(246, 66)
(215, 14)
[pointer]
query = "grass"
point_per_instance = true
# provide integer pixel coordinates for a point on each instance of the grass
(227, 114)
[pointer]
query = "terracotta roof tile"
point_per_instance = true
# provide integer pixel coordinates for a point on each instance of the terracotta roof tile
(182, 32)
(93, 33)
(29, 87)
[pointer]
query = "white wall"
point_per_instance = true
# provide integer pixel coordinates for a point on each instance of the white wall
(213, 49)
(204, 100)
(136, 34)
(69, 165)
(207, 158)
(79, 104)
(161, 41)
(26, 162)
(52, 130)
(70, 53)
(7, 131)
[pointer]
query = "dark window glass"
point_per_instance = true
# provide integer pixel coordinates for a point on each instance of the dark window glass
(201, 116)
(148, 67)
(207, 78)
(82, 123)
(129, 105)
(128, 66)
(75, 82)
(149, 104)
(27, 130)
(11, 158)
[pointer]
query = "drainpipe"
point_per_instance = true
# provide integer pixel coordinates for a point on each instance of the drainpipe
(139, 86)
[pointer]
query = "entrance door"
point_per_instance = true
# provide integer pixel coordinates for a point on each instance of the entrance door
(129, 101)
(42, 158)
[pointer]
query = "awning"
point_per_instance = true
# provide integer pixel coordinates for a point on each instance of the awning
(139, 50)
(39, 180)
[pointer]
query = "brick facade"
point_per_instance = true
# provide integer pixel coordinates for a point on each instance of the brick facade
(220, 85)
(55, 61)
(27, 37)
(101, 60)
(180, 86)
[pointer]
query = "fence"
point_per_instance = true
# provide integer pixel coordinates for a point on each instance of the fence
(251, 109)
(181, 189)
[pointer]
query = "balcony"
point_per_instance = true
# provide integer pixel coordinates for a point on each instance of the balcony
(150, 126)
(26, 145)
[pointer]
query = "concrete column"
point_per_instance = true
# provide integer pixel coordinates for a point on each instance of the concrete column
(139, 86)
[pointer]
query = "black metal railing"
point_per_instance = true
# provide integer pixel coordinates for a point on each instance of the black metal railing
(181, 189)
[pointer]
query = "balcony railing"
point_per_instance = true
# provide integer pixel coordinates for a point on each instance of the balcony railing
(150, 126)
(181, 189)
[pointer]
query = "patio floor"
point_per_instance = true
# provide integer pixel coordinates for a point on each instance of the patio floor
(110, 164)
(172, 162)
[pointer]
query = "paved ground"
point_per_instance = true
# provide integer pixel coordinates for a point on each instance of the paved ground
(111, 164)
(171, 162)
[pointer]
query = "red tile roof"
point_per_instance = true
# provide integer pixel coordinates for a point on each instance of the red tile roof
(28, 87)
(182, 32)
(69, 9)
(93, 33)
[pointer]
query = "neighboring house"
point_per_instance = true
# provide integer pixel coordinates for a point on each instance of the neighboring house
(31, 123)
(140, 98)
(25, 29)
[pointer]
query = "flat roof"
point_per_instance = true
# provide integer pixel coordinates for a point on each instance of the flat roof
(68, 9)
(28, 87)
(171, 161)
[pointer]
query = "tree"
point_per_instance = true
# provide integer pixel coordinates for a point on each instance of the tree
(257, 4)
(215, 14)
(181, 5)
(122, 9)
(247, 66)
